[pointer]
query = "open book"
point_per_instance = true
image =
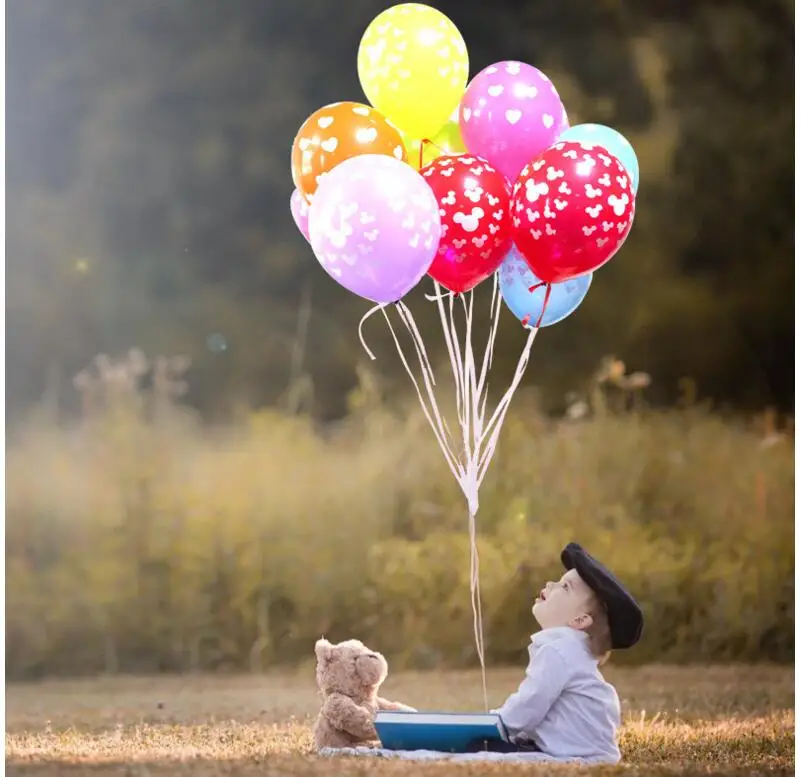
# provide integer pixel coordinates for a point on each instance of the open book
(449, 732)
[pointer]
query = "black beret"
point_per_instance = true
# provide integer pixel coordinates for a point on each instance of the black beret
(625, 615)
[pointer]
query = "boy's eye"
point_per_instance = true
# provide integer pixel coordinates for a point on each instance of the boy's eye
(564, 585)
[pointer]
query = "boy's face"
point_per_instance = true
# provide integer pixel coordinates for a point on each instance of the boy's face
(566, 603)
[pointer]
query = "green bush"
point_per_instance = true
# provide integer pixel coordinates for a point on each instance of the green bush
(143, 541)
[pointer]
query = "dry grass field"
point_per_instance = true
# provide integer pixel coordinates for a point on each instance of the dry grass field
(678, 720)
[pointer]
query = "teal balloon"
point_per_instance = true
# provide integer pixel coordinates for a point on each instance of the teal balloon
(610, 139)
(515, 281)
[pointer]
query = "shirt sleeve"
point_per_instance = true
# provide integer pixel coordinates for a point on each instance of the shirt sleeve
(546, 676)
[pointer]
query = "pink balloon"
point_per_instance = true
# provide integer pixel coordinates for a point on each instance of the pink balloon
(300, 212)
(375, 226)
(510, 113)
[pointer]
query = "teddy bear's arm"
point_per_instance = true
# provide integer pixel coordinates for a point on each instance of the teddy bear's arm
(384, 704)
(343, 713)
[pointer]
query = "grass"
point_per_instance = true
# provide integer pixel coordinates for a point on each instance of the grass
(690, 720)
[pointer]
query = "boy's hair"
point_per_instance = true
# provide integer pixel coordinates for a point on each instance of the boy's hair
(599, 633)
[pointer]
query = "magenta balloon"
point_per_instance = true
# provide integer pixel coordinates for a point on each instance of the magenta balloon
(300, 212)
(509, 114)
(374, 226)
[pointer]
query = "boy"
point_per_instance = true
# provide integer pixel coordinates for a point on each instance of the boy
(564, 708)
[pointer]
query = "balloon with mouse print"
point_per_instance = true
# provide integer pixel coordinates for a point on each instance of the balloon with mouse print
(299, 209)
(613, 141)
(473, 202)
(374, 226)
(572, 210)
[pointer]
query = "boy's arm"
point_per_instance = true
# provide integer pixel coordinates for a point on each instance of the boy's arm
(546, 676)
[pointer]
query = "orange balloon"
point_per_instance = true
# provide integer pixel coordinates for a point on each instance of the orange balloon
(335, 133)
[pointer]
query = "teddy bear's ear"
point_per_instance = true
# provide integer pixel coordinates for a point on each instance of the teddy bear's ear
(323, 649)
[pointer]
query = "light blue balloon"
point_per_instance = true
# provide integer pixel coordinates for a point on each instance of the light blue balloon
(516, 279)
(610, 139)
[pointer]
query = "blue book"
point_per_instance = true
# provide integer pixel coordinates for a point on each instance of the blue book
(448, 732)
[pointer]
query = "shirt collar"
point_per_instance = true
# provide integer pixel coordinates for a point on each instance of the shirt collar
(556, 633)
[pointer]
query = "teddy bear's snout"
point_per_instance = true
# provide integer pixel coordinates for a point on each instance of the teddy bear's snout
(371, 667)
(371, 656)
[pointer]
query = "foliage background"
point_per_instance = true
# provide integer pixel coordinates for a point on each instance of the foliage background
(148, 180)
(224, 508)
(141, 540)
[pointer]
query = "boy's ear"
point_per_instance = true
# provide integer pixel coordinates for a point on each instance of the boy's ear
(582, 622)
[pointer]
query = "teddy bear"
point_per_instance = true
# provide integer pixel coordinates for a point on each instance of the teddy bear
(349, 675)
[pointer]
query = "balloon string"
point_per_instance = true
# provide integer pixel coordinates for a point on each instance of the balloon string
(521, 367)
(407, 318)
(438, 296)
(471, 431)
(449, 456)
(474, 381)
(464, 377)
(475, 601)
(426, 142)
(527, 318)
(544, 304)
(496, 422)
(422, 149)
(459, 370)
(479, 440)
(469, 375)
(428, 372)
(433, 415)
(367, 315)
(451, 341)
(449, 344)
(489, 351)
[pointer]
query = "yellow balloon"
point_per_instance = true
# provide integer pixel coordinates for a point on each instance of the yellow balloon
(447, 141)
(413, 67)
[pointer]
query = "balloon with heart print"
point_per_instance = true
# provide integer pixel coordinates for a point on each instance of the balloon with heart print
(374, 226)
(525, 294)
(300, 212)
(473, 202)
(510, 113)
(338, 132)
(572, 209)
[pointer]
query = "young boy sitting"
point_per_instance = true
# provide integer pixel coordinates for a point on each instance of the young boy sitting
(564, 708)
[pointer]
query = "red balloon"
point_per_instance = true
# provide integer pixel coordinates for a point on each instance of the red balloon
(474, 201)
(572, 209)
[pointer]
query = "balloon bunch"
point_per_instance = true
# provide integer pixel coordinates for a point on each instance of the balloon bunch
(461, 182)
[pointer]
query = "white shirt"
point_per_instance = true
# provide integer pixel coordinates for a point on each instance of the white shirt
(564, 704)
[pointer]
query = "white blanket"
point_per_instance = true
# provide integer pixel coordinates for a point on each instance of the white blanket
(434, 755)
